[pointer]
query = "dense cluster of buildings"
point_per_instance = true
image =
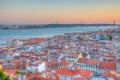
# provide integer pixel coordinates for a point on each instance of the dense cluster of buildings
(72, 56)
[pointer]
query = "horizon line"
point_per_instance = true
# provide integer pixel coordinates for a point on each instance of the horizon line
(61, 23)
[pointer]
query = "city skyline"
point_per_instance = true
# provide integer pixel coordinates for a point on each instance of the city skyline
(64, 11)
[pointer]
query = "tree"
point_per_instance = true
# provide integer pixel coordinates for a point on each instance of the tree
(2, 75)
(110, 37)
(7, 78)
(18, 72)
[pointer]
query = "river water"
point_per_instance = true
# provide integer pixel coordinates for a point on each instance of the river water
(45, 32)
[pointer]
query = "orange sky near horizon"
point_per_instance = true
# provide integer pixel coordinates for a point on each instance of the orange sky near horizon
(41, 12)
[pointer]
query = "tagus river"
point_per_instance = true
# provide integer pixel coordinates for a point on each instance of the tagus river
(46, 32)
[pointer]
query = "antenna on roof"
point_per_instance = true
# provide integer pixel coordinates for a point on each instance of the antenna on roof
(81, 23)
(57, 22)
(113, 24)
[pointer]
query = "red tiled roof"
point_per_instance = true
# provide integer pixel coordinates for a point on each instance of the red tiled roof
(93, 61)
(85, 73)
(47, 70)
(82, 60)
(11, 72)
(36, 77)
(77, 79)
(108, 65)
(35, 40)
(55, 76)
(14, 66)
(64, 71)
(68, 72)
(73, 54)
(110, 75)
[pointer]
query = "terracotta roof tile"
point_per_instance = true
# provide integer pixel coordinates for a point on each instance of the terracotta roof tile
(82, 60)
(69, 72)
(93, 61)
(11, 73)
(73, 54)
(34, 40)
(111, 75)
(36, 77)
(77, 79)
(108, 65)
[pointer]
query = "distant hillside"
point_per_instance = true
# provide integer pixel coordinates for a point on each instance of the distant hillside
(7, 27)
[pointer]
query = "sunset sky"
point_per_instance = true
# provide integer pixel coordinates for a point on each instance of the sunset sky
(63, 11)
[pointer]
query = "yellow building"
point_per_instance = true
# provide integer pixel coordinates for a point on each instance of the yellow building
(80, 56)
(0, 67)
